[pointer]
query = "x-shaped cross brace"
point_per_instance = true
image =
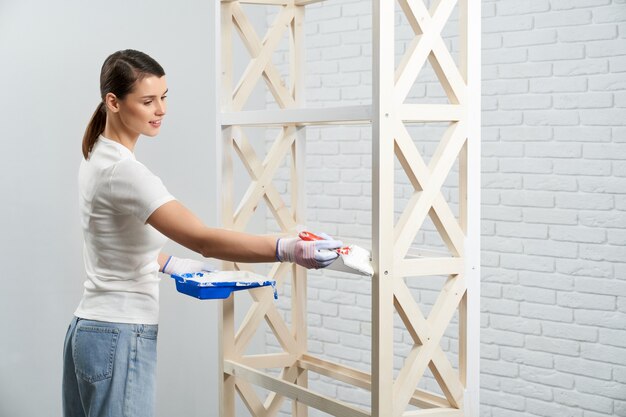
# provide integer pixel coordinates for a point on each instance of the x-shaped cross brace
(261, 63)
(261, 175)
(427, 181)
(426, 335)
(428, 43)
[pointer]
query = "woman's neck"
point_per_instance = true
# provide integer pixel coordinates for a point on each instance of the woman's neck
(115, 131)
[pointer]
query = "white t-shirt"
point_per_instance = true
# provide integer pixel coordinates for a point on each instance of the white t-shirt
(117, 194)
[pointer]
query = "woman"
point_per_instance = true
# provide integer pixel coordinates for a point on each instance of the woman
(127, 215)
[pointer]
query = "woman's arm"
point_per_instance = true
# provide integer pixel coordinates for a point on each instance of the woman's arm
(162, 259)
(179, 224)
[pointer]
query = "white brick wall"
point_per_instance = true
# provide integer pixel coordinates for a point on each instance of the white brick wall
(554, 202)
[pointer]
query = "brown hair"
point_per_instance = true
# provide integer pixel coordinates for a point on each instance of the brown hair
(118, 75)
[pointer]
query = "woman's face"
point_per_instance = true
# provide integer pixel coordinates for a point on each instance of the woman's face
(142, 110)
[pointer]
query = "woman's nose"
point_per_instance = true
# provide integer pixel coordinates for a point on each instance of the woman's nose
(160, 110)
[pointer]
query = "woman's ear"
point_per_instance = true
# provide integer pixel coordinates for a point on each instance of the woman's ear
(111, 102)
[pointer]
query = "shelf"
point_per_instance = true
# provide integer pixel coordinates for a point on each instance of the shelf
(360, 114)
(302, 117)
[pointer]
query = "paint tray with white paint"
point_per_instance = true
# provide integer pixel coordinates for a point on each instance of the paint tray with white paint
(219, 284)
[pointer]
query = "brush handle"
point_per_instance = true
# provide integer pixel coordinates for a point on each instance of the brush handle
(308, 236)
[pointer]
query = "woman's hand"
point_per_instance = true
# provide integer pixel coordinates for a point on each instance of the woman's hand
(309, 254)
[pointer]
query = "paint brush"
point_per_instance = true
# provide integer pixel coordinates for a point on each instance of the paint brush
(352, 258)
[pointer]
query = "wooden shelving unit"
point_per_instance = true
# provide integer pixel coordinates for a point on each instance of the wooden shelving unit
(388, 116)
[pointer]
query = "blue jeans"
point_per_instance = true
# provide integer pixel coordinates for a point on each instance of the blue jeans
(109, 369)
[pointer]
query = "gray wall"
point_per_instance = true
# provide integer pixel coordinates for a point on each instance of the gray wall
(51, 57)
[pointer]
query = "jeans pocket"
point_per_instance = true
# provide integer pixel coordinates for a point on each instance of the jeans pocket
(149, 332)
(94, 352)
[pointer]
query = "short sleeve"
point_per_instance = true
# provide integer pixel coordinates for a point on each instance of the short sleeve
(135, 190)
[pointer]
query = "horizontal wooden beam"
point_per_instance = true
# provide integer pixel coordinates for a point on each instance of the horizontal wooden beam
(295, 392)
(336, 371)
(440, 412)
(429, 266)
(357, 378)
(359, 114)
(270, 360)
(430, 112)
(302, 116)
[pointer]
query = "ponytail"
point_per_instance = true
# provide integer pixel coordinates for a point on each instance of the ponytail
(94, 129)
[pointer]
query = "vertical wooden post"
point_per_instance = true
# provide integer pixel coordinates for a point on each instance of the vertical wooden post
(383, 120)
(298, 196)
(224, 145)
(472, 62)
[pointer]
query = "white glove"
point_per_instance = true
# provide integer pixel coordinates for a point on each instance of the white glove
(180, 266)
(309, 254)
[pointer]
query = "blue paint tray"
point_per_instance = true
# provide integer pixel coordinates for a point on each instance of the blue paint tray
(219, 284)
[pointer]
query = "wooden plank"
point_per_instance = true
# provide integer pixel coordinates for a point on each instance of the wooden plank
(426, 39)
(262, 300)
(262, 176)
(262, 56)
(429, 266)
(297, 57)
(223, 72)
(442, 412)
(300, 116)
(273, 402)
(441, 214)
(269, 360)
(280, 329)
(251, 322)
(420, 356)
(431, 112)
(463, 165)
(299, 282)
(298, 198)
(418, 173)
(226, 346)
(321, 402)
(274, 200)
(306, 2)
(427, 400)
(447, 378)
(357, 378)
(408, 14)
(272, 317)
(463, 339)
(250, 399)
(336, 371)
(447, 72)
(448, 226)
(418, 50)
(440, 59)
(410, 313)
(383, 119)
(253, 44)
(420, 329)
(472, 10)
(412, 63)
(441, 164)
